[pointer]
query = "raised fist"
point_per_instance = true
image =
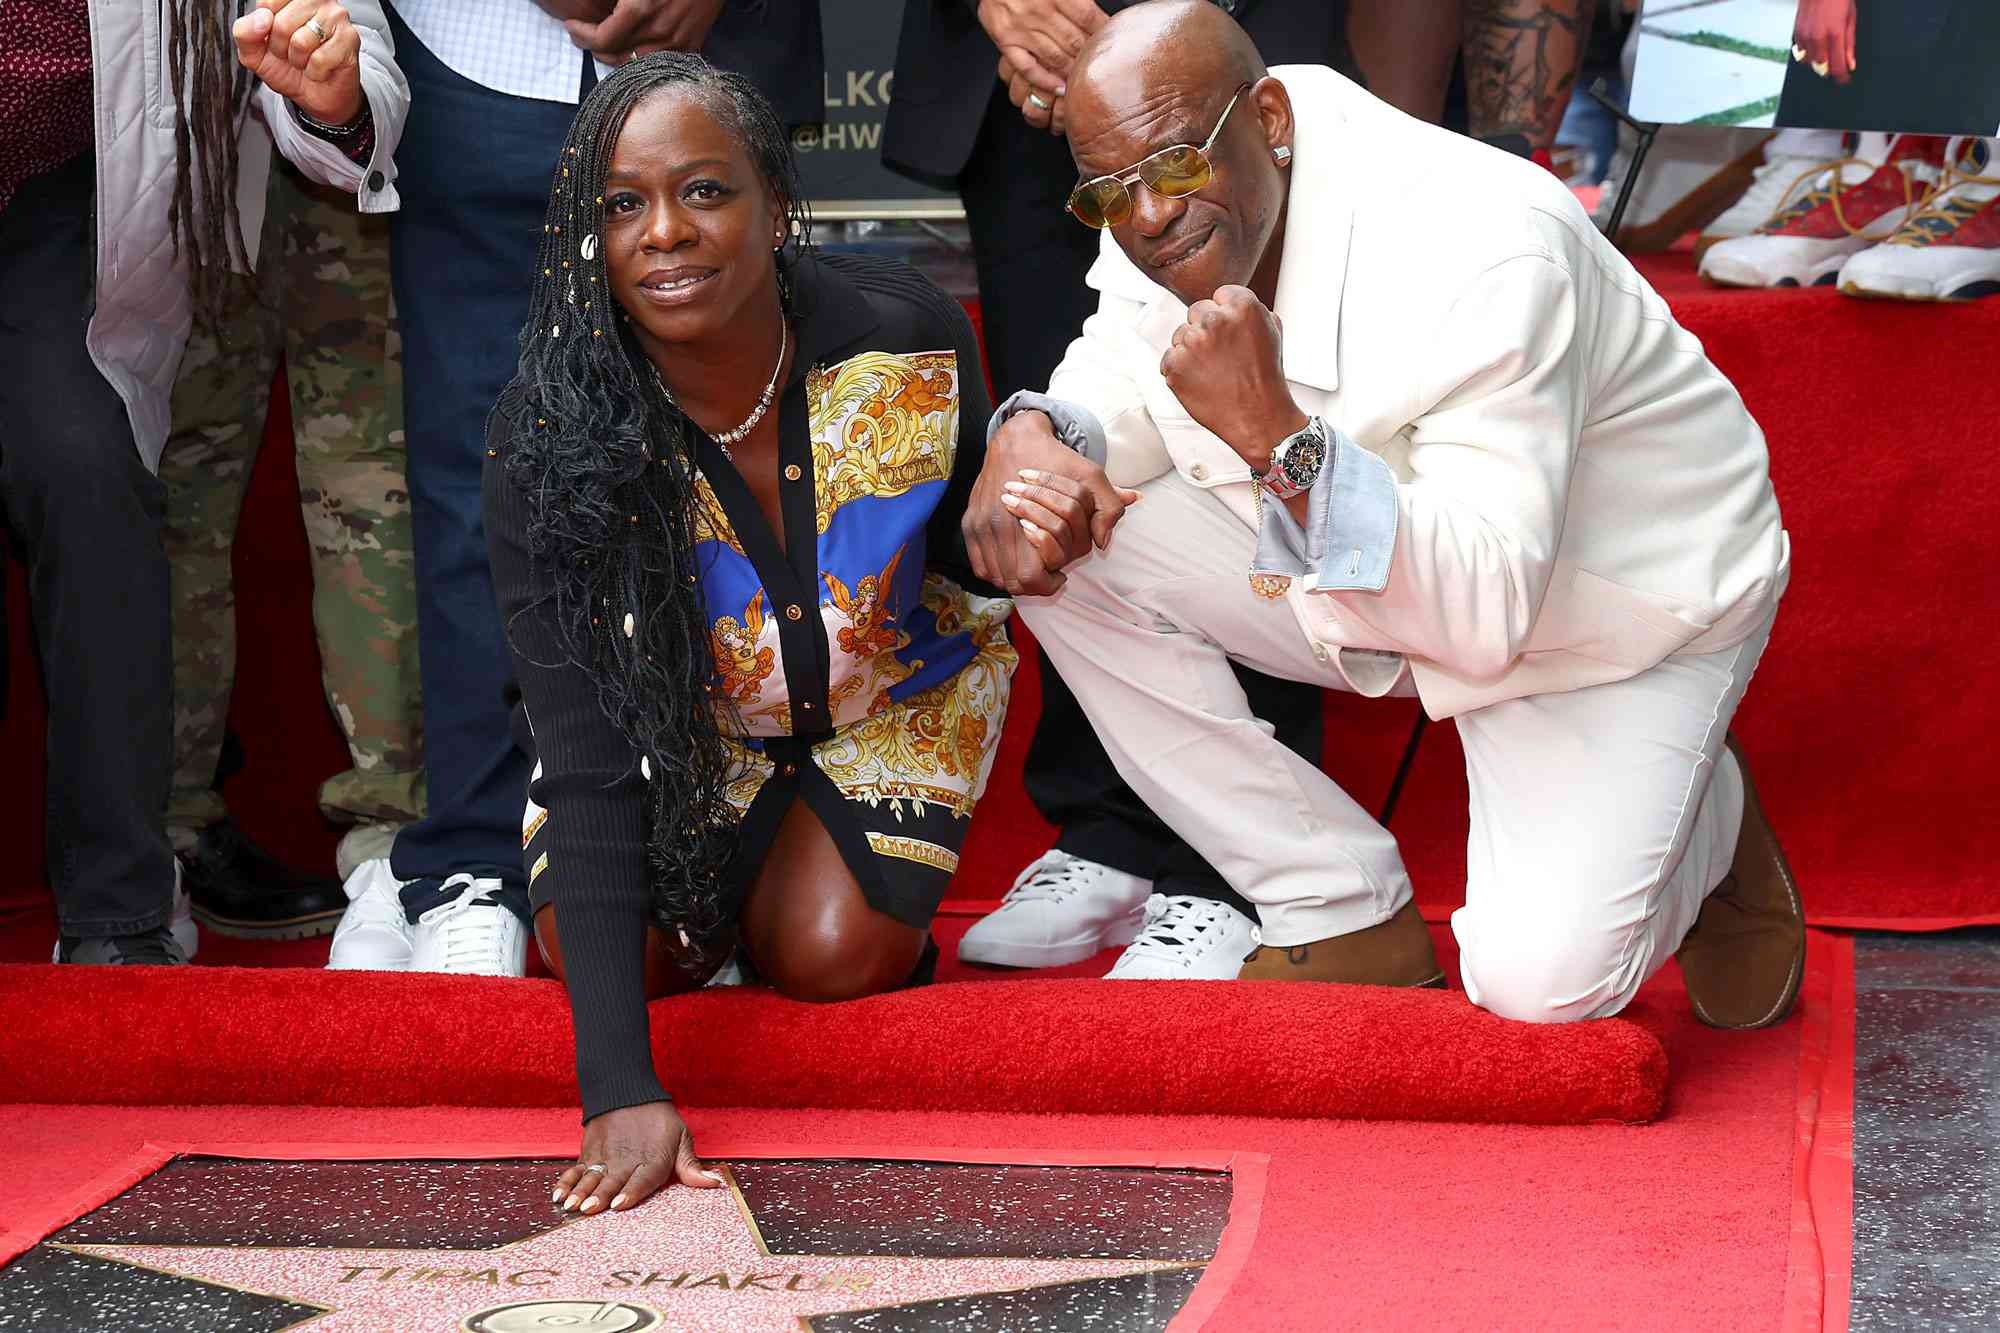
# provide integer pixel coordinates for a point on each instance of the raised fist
(306, 51)
(1226, 365)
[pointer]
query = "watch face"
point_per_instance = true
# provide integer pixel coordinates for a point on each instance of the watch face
(1303, 459)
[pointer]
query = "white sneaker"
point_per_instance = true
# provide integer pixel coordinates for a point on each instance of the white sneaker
(364, 842)
(1187, 939)
(1790, 156)
(1832, 214)
(1949, 250)
(1062, 909)
(471, 933)
(374, 933)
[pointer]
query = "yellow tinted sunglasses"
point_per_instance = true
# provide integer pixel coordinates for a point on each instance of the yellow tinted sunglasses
(1173, 173)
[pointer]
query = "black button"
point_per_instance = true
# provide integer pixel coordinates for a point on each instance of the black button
(376, 180)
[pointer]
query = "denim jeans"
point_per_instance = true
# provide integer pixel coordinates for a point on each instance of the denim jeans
(474, 177)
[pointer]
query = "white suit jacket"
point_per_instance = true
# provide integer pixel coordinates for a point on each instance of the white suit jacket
(1539, 482)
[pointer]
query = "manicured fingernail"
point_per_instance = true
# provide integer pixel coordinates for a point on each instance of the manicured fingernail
(1033, 474)
(557, 1196)
(711, 1177)
(1011, 501)
(1029, 528)
(592, 1204)
(617, 1203)
(1016, 488)
(569, 1203)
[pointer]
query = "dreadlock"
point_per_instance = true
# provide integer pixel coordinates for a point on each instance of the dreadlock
(606, 464)
(211, 88)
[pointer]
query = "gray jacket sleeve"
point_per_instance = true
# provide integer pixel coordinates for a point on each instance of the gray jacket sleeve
(1076, 426)
(388, 94)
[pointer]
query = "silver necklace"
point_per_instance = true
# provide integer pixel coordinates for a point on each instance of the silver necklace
(764, 400)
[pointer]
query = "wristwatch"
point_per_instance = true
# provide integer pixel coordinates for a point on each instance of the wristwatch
(1296, 462)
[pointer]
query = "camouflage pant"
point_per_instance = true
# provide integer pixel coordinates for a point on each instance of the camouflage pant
(322, 297)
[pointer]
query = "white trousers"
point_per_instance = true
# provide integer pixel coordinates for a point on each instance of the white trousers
(1600, 818)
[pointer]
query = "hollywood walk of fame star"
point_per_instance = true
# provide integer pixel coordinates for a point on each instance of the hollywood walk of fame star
(699, 1259)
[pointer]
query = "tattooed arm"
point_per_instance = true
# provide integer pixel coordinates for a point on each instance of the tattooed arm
(1521, 58)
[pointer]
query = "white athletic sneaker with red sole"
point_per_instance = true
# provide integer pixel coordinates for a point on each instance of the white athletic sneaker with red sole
(1831, 213)
(1789, 157)
(1948, 250)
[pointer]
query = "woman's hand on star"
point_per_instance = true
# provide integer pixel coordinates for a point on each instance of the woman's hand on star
(642, 1149)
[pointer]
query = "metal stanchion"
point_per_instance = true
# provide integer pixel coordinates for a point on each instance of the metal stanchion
(1646, 134)
(1403, 769)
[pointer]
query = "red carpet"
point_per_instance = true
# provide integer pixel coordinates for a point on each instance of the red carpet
(1866, 738)
(233, 1035)
(1688, 1222)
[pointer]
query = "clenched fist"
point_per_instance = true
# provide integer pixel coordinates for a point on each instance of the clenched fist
(317, 71)
(1226, 366)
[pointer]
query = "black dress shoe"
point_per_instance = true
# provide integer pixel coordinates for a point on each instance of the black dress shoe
(239, 889)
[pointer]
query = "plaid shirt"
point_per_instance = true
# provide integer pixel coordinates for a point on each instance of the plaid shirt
(510, 46)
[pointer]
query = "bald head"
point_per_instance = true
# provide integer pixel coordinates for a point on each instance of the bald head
(1162, 74)
(1191, 43)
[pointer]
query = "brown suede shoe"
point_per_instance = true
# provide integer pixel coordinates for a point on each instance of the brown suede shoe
(1746, 955)
(1396, 952)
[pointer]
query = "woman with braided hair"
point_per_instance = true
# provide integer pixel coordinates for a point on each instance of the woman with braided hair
(722, 501)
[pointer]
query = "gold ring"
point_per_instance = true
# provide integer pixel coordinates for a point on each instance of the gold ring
(595, 1166)
(312, 26)
(1035, 100)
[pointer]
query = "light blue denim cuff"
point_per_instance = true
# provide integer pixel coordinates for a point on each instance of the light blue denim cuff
(1350, 534)
(1077, 427)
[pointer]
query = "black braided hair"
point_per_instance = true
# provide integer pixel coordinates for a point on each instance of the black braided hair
(605, 462)
(211, 88)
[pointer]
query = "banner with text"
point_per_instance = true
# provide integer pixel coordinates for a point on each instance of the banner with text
(841, 160)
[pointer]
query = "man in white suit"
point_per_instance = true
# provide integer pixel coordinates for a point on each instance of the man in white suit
(1400, 422)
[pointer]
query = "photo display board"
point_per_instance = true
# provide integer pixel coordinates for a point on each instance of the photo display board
(1914, 66)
